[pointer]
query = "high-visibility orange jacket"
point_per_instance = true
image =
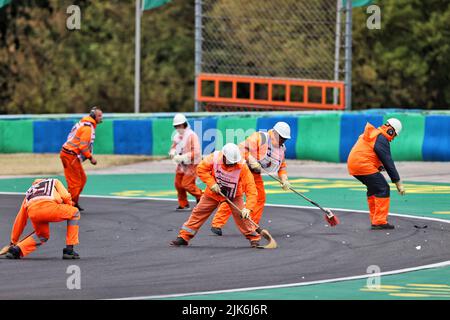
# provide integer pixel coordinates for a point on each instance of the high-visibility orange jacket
(257, 145)
(81, 138)
(41, 190)
(371, 153)
(246, 184)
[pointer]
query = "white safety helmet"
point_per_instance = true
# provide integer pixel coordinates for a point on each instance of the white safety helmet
(396, 124)
(231, 153)
(179, 119)
(283, 129)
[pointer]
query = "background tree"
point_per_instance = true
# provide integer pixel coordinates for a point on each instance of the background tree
(407, 62)
(45, 68)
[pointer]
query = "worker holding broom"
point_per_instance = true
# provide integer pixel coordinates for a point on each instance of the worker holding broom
(370, 155)
(47, 200)
(225, 174)
(263, 152)
(185, 151)
(78, 148)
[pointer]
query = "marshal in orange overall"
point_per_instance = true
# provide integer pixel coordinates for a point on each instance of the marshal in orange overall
(185, 152)
(370, 155)
(47, 200)
(79, 147)
(225, 173)
(263, 152)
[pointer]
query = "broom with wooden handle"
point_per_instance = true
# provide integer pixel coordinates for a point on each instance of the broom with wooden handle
(263, 232)
(4, 250)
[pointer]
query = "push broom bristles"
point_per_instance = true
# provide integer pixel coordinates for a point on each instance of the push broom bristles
(331, 218)
(264, 233)
(4, 250)
(272, 243)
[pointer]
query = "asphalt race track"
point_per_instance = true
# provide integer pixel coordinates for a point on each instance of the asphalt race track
(125, 252)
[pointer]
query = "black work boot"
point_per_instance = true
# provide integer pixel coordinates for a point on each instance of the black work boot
(13, 253)
(386, 226)
(178, 242)
(180, 208)
(254, 243)
(217, 231)
(69, 253)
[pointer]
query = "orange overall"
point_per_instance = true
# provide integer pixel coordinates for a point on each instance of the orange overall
(47, 200)
(187, 144)
(78, 148)
(256, 146)
(211, 171)
(364, 163)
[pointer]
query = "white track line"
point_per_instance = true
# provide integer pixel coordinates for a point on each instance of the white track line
(299, 284)
(267, 205)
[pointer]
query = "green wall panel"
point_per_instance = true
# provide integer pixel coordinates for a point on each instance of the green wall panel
(16, 136)
(162, 130)
(104, 138)
(234, 130)
(408, 145)
(318, 137)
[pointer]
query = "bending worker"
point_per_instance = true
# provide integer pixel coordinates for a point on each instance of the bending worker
(185, 151)
(78, 148)
(47, 200)
(223, 172)
(370, 155)
(264, 152)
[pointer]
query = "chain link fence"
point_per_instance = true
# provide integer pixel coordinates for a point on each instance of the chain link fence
(282, 38)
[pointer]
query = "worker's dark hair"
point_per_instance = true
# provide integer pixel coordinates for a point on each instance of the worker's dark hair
(92, 112)
(185, 125)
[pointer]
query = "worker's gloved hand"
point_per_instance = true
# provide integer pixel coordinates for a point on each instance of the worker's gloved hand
(178, 158)
(255, 166)
(285, 185)
(245, 213)
(181, 158)
(93, 161)
(215, 188)
(186, 158)
(400, 188)
(172, 153)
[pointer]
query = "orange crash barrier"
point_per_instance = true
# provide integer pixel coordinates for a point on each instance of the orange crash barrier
(248, 92)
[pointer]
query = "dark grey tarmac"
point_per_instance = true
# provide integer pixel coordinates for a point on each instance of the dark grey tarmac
(125, 253)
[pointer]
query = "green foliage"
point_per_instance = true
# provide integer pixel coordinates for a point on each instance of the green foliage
(45, 68)
(407, 62)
